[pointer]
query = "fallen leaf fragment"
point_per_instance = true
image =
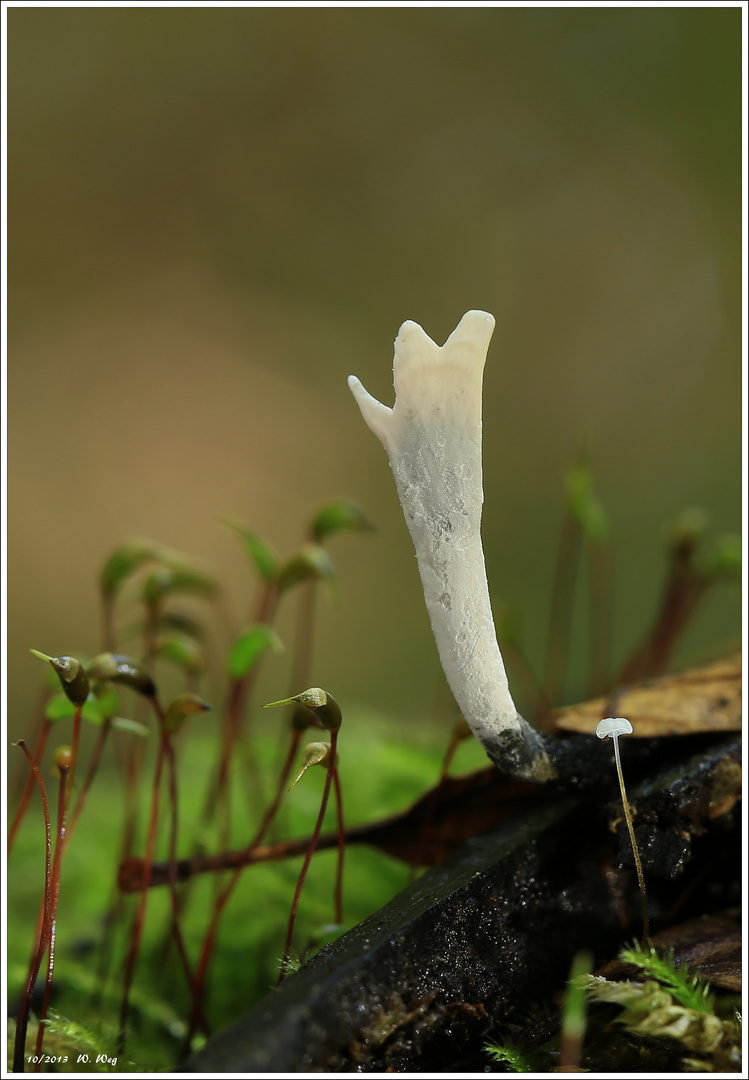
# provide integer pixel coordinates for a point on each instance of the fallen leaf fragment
(705, 699)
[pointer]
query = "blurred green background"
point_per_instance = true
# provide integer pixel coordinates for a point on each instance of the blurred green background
(216, 215)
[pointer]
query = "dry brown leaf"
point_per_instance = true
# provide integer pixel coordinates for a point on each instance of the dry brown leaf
(709, 946)
(700, 700)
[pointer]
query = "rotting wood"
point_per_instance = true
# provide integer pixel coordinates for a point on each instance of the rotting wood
(688, 703)
(494, 927)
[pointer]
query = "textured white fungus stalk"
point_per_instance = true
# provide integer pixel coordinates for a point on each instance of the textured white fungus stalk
(432, 436)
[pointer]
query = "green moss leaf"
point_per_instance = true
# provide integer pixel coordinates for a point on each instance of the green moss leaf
(250, 646)
(259, 551)
(167, 581)
(343, 515)
(516, 1058)
(123, 562)
(185, 655)
(584, 506)
(310, 563)
(60, 707)
(122, 723)
(690, 992)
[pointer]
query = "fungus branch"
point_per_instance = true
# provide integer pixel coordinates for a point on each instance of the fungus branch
(432, 436)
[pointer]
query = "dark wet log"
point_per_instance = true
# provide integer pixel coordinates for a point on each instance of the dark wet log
(702, 700)
(423, 835)
(495, 926)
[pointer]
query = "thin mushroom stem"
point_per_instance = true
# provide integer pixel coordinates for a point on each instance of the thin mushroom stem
(613, 727)
(635, 849)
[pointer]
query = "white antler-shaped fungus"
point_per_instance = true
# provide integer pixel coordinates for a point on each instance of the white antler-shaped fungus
(432, 436)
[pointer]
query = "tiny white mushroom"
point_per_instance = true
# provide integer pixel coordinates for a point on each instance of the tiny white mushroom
(432, 436)
(612, 727)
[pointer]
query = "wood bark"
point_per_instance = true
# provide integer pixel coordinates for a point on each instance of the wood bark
(493, 928)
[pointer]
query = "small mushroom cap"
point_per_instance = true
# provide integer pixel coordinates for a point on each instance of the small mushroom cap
(613, 725)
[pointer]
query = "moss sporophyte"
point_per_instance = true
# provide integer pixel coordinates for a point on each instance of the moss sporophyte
(328, 714)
